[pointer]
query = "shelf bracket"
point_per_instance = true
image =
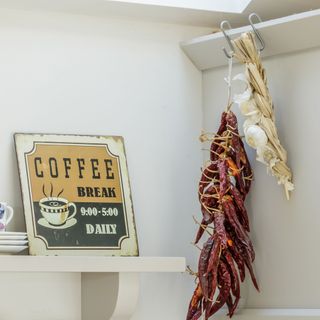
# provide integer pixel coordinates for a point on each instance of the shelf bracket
(109, 296)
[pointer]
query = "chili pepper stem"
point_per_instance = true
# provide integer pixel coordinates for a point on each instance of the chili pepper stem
(211, 209)
(211, 171)
(204, 227)
(211, 178)
(194, 244)
(209, 195)
(220, 145)
(191, 272)
(215, 136)
(233, 133)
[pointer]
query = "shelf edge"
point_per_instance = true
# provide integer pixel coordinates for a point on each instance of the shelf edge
(283, 35)
(274, 314)
(91, 264)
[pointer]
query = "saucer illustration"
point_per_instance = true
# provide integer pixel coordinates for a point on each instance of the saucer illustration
(69, 223)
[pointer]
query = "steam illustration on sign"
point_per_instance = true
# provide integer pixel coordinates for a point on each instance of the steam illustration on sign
(57, 212)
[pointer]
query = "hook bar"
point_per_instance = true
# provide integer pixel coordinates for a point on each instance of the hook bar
(256, 31)
(222, 27)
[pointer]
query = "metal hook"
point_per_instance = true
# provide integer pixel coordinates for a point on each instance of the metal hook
(257, 33)
(228, 55)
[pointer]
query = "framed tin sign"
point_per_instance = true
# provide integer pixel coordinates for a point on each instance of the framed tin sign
(76, 195)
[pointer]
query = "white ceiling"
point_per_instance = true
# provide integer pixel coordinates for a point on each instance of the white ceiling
(235, 6)
(267, 9)
(271, 9)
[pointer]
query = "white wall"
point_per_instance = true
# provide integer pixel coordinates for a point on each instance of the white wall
(286, 234)
(77, 74)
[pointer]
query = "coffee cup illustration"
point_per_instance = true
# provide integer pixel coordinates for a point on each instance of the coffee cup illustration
(57, 211)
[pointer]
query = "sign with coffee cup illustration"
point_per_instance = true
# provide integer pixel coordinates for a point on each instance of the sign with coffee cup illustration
(76, 195)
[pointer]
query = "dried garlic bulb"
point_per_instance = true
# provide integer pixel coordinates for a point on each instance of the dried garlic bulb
(255, 104)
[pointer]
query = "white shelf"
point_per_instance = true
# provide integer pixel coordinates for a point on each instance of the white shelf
(284, 35)
(275, 314)
(91, 264)
(109, 285)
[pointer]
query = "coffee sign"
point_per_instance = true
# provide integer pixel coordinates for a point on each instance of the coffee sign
(76, 195)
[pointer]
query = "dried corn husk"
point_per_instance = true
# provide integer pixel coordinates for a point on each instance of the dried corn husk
(271, 153)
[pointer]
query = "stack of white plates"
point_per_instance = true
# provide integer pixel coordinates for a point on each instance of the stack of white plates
(13, 242)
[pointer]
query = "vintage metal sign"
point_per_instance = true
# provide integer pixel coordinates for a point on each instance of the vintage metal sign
(76, 195)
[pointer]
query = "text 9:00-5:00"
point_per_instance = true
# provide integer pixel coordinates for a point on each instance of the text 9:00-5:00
(105, 212)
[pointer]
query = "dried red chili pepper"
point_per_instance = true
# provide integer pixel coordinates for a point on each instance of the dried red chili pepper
(223, 177)
(219, 220)
(213, 266)
(203, 266)
(230, 305)
(235, 281)
(247, 260)
(222, 128)
(227, 252)
(224, 291)
(240, 204)
(207, 176)
(239, 261)
(195, 304)
(233, 271)
(236, 172)
(231, 215)
(202, 228)
(239, 155)
(232, 125)
(247, 170)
